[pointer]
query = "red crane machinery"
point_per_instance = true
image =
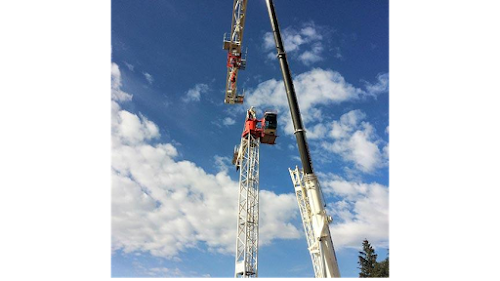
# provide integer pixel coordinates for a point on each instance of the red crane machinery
(263, 129)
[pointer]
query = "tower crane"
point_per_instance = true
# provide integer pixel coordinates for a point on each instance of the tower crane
(235, 59)
(246, 159)
(306, 184)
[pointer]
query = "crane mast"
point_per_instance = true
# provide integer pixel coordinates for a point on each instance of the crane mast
(246, 159)
(306, 184)
(247, 228)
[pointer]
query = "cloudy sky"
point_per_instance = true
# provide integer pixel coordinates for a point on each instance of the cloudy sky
(174, 191)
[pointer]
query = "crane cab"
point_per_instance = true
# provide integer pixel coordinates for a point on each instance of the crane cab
(270, 122)
(264, 129)
(269, 126)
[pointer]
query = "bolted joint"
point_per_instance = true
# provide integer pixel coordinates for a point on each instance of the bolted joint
(329, 219)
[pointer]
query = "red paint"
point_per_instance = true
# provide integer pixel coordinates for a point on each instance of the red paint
(256, 128)
(233, 60)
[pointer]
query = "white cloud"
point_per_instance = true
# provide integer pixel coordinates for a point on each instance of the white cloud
(356, 141)
(363, 212)
(129, 66)
(279, 209)
(223, 164)
(385, 151)
(309, 57)
(381, 86)
(312, 56)
(295, 40)
(149, 77)
(315, 88)
(165, 272)
(360, 150)
(353, 140)
(310, 32)
(164, 205)
(228, 121)
(317, 131)
(194, 94)
(338, 54)
(133, 129)
(347, 123)
(269, 41)
(116, 83)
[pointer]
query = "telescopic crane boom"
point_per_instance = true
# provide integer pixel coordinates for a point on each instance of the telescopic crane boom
(306, 184)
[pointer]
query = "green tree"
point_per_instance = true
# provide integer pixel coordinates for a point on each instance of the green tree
(370, 268)
(386, 267)
(367, 260)
(381, 268)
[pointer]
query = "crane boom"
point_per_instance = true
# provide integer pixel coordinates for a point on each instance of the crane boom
(236, 60)
(307, 188)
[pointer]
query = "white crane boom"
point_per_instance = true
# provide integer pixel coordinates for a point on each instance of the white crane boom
(315, 221)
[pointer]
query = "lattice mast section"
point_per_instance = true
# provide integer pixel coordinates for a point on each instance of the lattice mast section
(247, 237)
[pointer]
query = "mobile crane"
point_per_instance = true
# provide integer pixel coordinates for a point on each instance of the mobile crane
(306, 184)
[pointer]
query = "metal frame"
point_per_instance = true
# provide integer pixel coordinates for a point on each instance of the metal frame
(233, 44)
(306, 214)
(238, 22)
(247, 237)
(315, 223)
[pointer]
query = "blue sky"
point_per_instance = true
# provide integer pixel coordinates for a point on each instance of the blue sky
(174, 190)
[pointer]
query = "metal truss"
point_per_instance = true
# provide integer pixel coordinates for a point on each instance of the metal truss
(247, 237)
(315, 223)
(238, 21)
(306, 214)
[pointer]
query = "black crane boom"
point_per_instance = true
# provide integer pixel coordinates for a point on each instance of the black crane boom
(300, 133)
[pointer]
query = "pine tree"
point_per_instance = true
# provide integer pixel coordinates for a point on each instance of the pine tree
(382, 269)
(387, 265)
(367, 260)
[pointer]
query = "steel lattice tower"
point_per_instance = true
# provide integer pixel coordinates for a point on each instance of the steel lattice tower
(247, 237)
